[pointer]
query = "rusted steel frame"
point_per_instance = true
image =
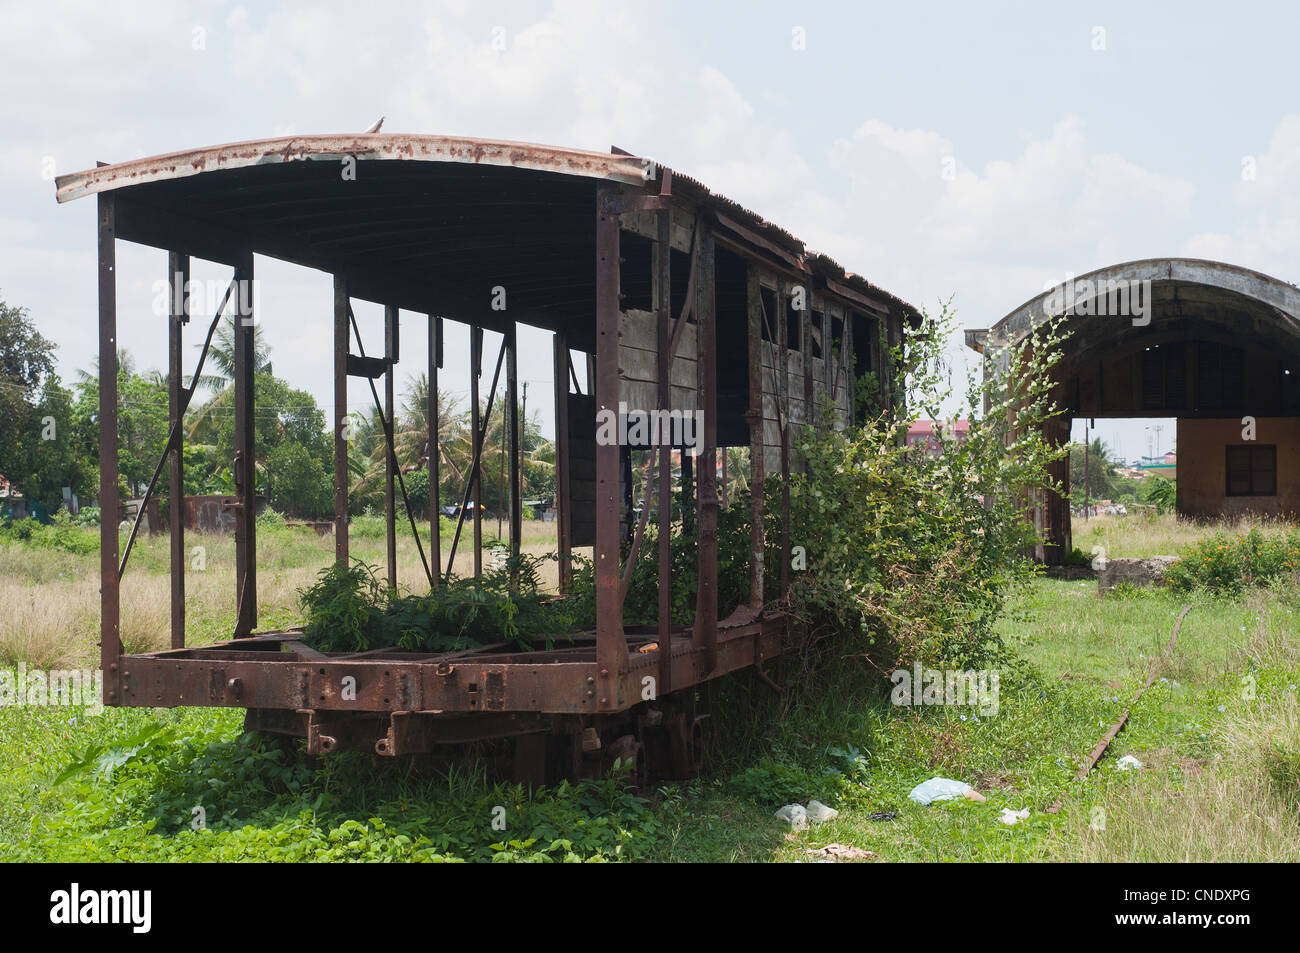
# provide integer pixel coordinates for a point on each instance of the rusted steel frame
(573, 374)
(783, 400)
(626, 579)
(387, 418)
(178, 276)
(466, 685)
(514, 429)
(173, 433)
(341, 428)
(805, 349)
(666, 346)
(563, 511)
(757, 476)
(413, 732)
(850, 356)
(611, 644)
(475, 483)
(435, 450)
(477, 437)
(390, 456)
(706, 492)
(245, 469)
(110, 580)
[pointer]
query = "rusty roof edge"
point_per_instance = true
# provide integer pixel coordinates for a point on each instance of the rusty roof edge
(383, 146)
(614, 166)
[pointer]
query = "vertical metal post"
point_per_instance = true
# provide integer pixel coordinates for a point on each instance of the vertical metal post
(663, 305)
(110, 644)
(341, 429)
(245, 469)
(435, 449)
(687, 494)
(1087, 499)
(611, 645)
(783, 398)
(805, 348)
(563, 508)
(706, 479)
(754, 299)
(390, 456)
(514, 430)
(178, 277)
(476, 445)
(850, 366)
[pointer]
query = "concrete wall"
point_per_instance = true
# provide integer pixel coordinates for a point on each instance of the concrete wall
(1201, 467)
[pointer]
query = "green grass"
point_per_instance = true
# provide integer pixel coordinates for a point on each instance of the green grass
(1217, 732)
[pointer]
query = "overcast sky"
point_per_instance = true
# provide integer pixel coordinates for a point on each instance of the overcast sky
(978, 151)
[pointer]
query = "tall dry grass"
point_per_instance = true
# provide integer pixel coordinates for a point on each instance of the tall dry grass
(49, 599)
(1159, 535)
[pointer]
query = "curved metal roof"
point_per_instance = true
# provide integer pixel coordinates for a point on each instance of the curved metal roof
(497, 210)
(1282, 297)
(369, 146)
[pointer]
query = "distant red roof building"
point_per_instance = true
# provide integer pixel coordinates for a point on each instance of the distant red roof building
(925, 433)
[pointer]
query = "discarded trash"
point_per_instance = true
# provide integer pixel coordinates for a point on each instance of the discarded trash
(942, 789)
(1013, 817)
(799, 817)
(819, 813)
(795, 815)
(1128, 763)
(836, 852)
(882, 816)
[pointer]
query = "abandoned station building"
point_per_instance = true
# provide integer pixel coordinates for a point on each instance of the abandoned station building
(1212, 344)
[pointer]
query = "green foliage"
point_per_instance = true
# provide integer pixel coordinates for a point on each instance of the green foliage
(642, 604)
(1103, 481)
(351, 610)
(87, 516)
(1230, 564)
(142, 796)
(26, 359)
(1163, 493)
(917, 553)
(1282, 768)
(296, 482)
(61, 534)
(772, 782)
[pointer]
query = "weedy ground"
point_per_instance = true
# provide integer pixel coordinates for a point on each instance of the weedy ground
(1218, 734)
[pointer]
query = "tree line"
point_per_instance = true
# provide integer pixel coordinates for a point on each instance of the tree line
(49, 434)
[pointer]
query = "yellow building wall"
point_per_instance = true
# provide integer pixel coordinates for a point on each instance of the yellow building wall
(1202, 479)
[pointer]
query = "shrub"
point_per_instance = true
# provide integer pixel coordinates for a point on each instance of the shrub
(350, 610)
(917, 553)
(1230, 564)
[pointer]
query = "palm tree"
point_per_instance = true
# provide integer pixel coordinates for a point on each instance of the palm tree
(221, 355)
(221, 358)
(411, 431)
(125, 367)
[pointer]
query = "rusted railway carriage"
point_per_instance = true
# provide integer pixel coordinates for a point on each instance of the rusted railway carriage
(674, 297)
